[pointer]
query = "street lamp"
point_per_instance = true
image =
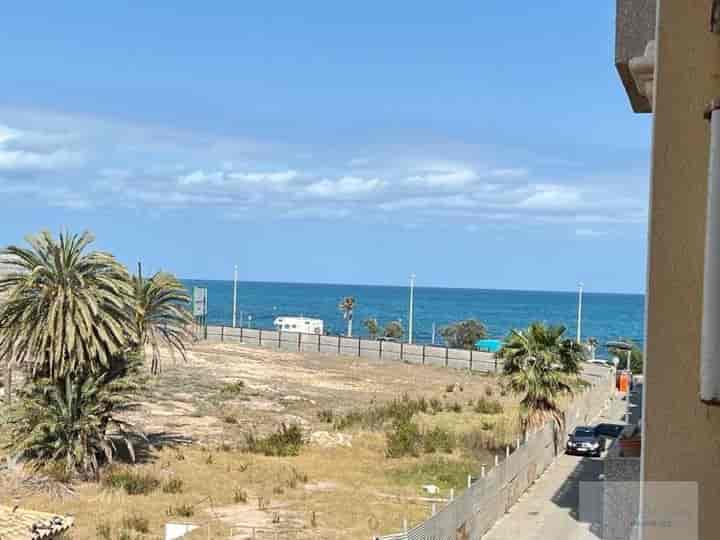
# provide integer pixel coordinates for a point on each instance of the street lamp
(579, 315)
(235, 277)
(412, 299)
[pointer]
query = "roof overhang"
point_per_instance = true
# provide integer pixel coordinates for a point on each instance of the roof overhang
(634, 54)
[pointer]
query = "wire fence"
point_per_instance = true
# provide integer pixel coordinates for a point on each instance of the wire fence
(430, 355)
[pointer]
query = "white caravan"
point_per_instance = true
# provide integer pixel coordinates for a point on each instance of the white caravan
(302, 325)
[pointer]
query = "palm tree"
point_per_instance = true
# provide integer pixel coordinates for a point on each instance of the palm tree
(67, 421)
(541, 385)
(67, 310)
(372, 327)
(543, 342)
(162, 317)
(347, 306)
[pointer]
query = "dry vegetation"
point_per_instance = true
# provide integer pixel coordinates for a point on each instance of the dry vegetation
(199, 415)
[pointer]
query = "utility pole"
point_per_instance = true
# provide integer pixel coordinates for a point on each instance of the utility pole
(412, 299)
(235, 277)
(579, 316)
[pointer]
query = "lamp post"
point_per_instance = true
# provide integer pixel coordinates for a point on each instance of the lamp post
(235, 277)
(412, 299)
(579, 314)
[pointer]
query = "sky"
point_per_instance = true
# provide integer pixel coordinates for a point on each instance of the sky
(476, 144)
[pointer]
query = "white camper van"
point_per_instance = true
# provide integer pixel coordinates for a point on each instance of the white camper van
(302, 325)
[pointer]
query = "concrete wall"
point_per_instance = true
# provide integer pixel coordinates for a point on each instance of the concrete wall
(681, 435)
(635, 27)
(365, 348)
(478, 508)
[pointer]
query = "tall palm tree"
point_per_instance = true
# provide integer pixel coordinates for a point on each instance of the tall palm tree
(67, 310)
(541, 385)
(162, 316)
(543, 342)
(347, 306)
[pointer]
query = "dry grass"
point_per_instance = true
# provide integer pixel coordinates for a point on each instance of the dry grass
(349, 492)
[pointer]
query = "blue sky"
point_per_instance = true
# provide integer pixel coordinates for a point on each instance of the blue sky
(478, 144)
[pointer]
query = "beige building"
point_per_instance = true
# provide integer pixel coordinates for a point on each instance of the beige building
(669, 62)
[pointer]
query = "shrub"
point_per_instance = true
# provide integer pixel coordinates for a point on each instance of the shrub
(455, 407)
(174, 485)
(136, 523)
(278, 490)
(229, 390)
(287, 441)
(489, 391)
(240, 496)
(436, 405)
(445, 473)
(404, 439)
(438, 439)
(377, 416)
(450, 388)
(184, 510)
(230, 419)
(133, 482)
(488, 406)
(487, 425)
(326, 416)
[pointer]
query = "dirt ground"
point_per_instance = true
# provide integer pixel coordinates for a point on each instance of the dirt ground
(341, 486)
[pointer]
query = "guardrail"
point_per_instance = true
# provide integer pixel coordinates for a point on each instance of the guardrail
(431, 355)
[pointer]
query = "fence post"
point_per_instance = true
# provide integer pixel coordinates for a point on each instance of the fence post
(319, 337)
(482, 471)
(222, 333)
(447, 356)
(497, 460)
(260, 337)
(359, 343)
(299, 341)
(401, 351)
(507, 452)
(339, 338)
(241, 334)
(423, 353)
(452, 494)
(470, 481)
(381, 349)
(279, 338)
(496, 367)
(471, 359)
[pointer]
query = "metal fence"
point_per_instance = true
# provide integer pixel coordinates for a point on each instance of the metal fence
(489, 497)
(430, 355)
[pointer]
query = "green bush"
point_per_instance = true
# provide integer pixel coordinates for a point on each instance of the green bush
(445, 473)
(174, 485)
(455, 407)
(436, 406)
(488, 406)
(229, 390)
(439, 439)
(326, 416)
(404, 439)
(287, 441)
(378, 416)
(133, 482)
(184, 510)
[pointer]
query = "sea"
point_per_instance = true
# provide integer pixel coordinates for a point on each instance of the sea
(605, 316)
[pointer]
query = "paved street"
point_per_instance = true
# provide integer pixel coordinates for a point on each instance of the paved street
(548, 511)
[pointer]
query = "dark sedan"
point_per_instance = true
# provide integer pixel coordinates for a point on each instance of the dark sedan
(584, 440)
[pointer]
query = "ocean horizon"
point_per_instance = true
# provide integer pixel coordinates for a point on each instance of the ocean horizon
(605, 316)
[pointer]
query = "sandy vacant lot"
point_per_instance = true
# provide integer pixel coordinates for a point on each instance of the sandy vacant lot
(198, 413)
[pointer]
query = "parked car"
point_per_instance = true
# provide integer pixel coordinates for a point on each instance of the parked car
(611, 431)
(584, 440)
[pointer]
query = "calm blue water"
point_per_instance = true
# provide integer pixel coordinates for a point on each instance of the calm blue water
(605, 316)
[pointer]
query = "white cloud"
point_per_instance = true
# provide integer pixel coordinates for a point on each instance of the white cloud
(320, 213)
(20, 160)
(589, 232)
(347, 186)
(281, 177)
(453, 201)
(200, 177)
(445, 178)
(509, 173)
(551, 197)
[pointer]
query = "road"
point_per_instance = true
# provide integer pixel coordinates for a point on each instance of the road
(549, 509)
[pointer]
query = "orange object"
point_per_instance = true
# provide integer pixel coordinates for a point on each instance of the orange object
(624, 382)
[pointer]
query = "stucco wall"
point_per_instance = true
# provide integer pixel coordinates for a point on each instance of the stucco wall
(681, 436)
